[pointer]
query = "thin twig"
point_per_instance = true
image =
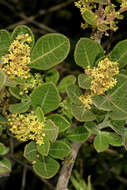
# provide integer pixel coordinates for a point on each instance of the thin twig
(66, 170)
(56, 7)
(11, 145)
(36, 23)
(31, 19)
(24, 178)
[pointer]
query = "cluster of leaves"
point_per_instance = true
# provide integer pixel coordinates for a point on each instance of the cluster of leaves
(108, 111)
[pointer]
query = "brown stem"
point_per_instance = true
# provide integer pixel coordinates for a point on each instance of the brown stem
(109, 2)
(123, 10)
(66, 170)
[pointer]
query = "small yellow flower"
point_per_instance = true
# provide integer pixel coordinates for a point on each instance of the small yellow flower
(26, 127)
(86, 100)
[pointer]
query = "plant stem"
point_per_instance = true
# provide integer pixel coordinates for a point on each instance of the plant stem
(24, 178)
(68, 164)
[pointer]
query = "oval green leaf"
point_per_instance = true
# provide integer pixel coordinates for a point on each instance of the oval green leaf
(87, 52)
(52, 76)
(44, 148)
(46, 168)
(66, 81)
(84, 81)
(61, 122)
(89, 17)
(119, 53)
(50, 130)
(81, 113)
(59, 149)
(20, 107)
(78, 134)
(30, 151)
(50, 50)
(4, 42)
(46, 96)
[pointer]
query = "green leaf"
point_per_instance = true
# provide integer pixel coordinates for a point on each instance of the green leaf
(118, 126)
(102, 103)
(124, 138)
(113, 139)
(2, 79)
(101, 142)
(10, 83)
(119, 53)
(3, 120)
(15, 91)
(30, 151)
(44, 148)
(20, 107)
(74, 92)
(46, 96)
(59, 149)
(46, 168)
(89, 17)
(84, 81)
(87, 52)
(22, 29)
(4, 42)
(52, 76)
(66, 108)
(61, 122)
(50, 130)
(115, 100)
(79, 134)
(103, 139)
(91, 127)
(40, 115)
(66, 81)
(81, 113)
(50, 50)
(103, 27)
(5, 167)
(3, 149)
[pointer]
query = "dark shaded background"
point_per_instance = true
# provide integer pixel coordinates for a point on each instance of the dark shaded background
(108, 169)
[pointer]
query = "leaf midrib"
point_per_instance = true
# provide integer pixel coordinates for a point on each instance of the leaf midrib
(45, 54)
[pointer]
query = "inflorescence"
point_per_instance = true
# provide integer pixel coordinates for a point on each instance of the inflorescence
(26, 127)
(15, 63)
(102, 79)
(104, 14)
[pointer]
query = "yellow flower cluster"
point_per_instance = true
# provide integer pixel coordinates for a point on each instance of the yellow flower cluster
(123, 4)
(86, 100)
(31, 82)
(101, 80)
(102, 76)
(16, 62)
(85, 4)
(26, 127)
